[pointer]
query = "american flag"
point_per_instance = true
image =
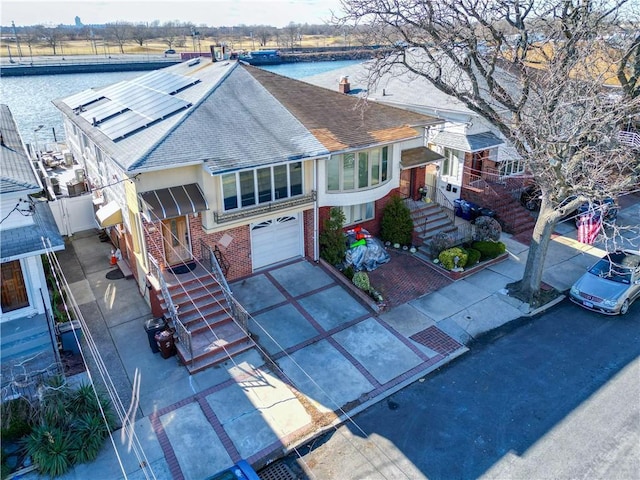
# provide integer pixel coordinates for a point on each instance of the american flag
(589, 225)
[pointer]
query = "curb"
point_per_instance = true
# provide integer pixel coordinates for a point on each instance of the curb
(546, 306)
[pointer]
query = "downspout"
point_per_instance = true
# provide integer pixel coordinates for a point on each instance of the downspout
(316, 240)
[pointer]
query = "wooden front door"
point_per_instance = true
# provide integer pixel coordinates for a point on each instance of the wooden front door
(405, 183)
(14, 290)
(175, 236)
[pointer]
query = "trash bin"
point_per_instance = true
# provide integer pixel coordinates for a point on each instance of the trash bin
(457, 206)
(474, 211)
(166, 343)
(153, 326)
(68, 332)
(487, 212)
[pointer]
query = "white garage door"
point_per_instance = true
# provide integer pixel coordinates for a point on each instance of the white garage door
(275, 240)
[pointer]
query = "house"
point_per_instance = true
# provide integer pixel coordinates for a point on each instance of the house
(27, 231)
(478, 163)
(214, 163)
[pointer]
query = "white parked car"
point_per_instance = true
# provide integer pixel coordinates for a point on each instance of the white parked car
(611, 285)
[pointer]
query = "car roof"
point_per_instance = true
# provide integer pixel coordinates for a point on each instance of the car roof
(624, 258)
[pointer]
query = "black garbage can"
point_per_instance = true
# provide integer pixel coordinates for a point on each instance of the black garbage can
(474, 211)
(153, 326)
(166, 343)
(457, 206)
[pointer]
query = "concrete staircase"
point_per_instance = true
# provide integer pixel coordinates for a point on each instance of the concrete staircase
(429, 219)
(205, 312)
(25, 347)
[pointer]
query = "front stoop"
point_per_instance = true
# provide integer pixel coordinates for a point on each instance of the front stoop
(205, 312)
(429, 219)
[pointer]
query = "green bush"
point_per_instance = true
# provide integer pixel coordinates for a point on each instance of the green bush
(349, 272)
(71, 428)
(473, 256)
(489, 250)
(396, 225)
(447, 258)
(333, 245)
(361, 280)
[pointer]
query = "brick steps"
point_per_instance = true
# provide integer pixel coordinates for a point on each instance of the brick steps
(204, 311)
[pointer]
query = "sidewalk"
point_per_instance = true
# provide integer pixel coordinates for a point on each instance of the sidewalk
(330, 355)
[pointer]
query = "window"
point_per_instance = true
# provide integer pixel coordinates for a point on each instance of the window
(354, 172)
(450, 163)
(263, 185)
(511, 167)
(358, 213)
(14, 291)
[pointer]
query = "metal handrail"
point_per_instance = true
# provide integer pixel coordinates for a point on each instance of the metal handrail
(629, 138)
(183, 334)
(209, 259)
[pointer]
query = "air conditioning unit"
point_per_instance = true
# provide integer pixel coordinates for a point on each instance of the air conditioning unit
(80, 175)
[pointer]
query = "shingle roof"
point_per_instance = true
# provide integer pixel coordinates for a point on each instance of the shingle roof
(28, 240)
(340, 121)
(241, 116)
(467, 143)
(16, 172)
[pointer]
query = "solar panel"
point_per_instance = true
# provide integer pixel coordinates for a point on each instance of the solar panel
(103, 112)
(166, 82)
(83, 98)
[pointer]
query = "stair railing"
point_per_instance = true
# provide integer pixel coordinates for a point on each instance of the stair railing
(210, 260)
(183, 334)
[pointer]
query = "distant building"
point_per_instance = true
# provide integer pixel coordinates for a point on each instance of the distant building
(78, 22)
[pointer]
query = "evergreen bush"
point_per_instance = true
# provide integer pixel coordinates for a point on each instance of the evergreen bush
(473, 256)
(396, 225)
(333, 245)
(489, 250)
(361, 280)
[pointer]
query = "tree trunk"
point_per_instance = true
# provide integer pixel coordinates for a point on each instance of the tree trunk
(528, 289)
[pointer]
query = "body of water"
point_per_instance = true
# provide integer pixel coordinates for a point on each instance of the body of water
(29, 98)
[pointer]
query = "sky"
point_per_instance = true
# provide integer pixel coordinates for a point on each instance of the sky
(277, 13)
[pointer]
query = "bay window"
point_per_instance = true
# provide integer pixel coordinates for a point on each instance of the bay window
(363, 170)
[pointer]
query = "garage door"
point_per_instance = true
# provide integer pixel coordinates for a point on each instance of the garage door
(275, 240)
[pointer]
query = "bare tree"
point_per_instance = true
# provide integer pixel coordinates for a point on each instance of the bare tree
(119, 32)
(537, 70)
(292, 34)
(140, 33)
(51, 37)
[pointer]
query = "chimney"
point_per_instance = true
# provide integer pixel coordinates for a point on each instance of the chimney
(344, 86)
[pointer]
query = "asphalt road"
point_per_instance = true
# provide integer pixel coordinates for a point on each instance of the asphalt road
(553, 397)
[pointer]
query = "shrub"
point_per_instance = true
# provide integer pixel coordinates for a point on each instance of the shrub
(361, 280)
(487, 228)
(396, 225)
(447, 258)
(349, 272)
(333, 245)
(15, 417)
(488, 249)
(473, 256)
(440, 242)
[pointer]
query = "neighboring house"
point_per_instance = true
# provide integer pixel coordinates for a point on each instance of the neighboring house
(220, 159)
(477, 161)
(27, 230)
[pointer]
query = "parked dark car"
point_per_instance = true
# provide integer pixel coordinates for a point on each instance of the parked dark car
(171, 51)
(531, 199)
(611, 285)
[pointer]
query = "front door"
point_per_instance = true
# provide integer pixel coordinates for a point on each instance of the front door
(405, 183)
(175, 235)
(14, 290)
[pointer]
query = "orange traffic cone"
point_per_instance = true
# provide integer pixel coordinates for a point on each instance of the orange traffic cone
(114, 260)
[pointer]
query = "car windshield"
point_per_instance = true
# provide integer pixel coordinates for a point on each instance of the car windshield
(616, 273)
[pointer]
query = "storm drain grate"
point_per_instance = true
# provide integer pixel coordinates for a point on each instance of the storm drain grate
(436, 340)
(276, 471)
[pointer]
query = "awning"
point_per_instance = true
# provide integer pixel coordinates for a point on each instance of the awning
(417, 157)
(109, 215)
(174, 201)
(467, 143)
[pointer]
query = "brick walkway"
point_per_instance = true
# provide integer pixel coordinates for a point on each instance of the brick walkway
(404, 278)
